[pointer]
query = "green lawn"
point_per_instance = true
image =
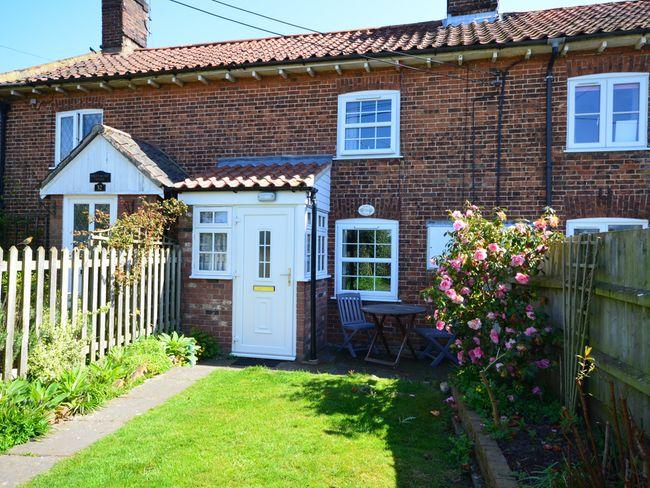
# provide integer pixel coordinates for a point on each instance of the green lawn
(257, 427)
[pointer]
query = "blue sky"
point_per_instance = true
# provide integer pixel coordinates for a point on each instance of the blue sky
(56, 29)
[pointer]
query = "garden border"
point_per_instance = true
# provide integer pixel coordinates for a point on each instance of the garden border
(491, 460)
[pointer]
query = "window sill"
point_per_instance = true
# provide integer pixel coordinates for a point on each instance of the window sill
(210, 277)
(605, 149)
(368, 156)
(318, 277)
(382, 300)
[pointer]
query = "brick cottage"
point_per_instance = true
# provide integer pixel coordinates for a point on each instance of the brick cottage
(382, 130)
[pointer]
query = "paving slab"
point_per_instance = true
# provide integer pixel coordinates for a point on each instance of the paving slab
(24, 462)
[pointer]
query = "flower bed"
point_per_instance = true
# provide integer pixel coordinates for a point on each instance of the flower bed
(60, 385)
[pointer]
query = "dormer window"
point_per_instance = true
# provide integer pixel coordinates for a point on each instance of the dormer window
(368, 124)
(71, 128)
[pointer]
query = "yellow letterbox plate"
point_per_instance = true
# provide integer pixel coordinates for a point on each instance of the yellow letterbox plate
(266, 288)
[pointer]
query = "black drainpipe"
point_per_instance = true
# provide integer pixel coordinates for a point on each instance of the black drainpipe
(312, 273)
(4, 111)
(549, 122)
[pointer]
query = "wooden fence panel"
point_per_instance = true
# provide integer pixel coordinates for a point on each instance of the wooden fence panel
(619, 318)
(79, 289)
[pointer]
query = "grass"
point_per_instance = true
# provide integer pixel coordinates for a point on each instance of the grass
(257, 427)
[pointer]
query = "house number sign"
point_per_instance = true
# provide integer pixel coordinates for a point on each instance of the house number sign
(366, 210)
(100, 178)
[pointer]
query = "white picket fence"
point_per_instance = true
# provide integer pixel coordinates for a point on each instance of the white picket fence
(69, 286)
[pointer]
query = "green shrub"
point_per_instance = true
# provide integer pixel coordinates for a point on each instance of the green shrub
(58, 349)
(209, 347)
(23, 411)
(180, 348)
(148, 352)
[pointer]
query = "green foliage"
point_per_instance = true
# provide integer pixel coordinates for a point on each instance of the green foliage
(209, 347)
(181, 349)
(462, 448)
(148, 352)
(57, 349)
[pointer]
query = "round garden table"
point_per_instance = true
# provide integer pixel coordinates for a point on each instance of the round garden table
(404, 315)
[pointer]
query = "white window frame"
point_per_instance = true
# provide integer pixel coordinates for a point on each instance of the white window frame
(321, 233)
(371, 224)
(601, 223)
(394, 149)
(199, 228)
(76, 129)
(436, 230)
(606, 81)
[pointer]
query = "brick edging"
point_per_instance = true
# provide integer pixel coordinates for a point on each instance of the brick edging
(491, 460)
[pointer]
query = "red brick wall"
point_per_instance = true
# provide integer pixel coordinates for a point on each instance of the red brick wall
(198, 124)
(303, 317)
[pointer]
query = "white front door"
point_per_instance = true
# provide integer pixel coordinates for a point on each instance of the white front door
(86, 214)
(263, 308)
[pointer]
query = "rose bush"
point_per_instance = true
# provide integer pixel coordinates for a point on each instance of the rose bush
(481, 294)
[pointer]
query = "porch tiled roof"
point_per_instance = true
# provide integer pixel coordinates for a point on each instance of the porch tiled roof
(631, 16)
(286, 173)
(150, 160)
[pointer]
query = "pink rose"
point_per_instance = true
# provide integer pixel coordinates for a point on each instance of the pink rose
(510, 330)
(440, 325)
(451, 293)
(458, 299)
(542, 363)
(494, 336)
(510, 343)
(460, 357)
(530, 331)
(541, 248)
(521, 227)
(522, 278)
(477, 341)
(459, 225)
(537, 391)
(469, 213)
(445, 284)
(464, 290)
(474, 324)
(457, 214)
(517, 260)
(480, 254)
(491, 315)
(540, 224)
(476, 353)
(449, 400)
(493, 247)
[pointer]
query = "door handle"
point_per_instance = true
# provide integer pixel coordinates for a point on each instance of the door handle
(288, 275)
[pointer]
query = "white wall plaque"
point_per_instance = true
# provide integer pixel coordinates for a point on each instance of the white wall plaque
(366, 210)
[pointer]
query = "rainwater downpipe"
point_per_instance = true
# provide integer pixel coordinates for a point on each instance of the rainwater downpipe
(312, 275)
(4, 114)
(555, 44)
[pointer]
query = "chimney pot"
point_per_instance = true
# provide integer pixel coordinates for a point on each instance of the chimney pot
(124, 24)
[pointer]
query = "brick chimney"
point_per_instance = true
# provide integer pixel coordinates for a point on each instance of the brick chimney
(124, 24)
(468, 7)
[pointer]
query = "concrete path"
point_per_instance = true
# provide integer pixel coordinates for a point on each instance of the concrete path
(24, 462)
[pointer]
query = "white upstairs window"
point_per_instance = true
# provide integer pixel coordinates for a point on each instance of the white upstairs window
(71, 128)
(605, 224)
(607, 112)
(211, 242)
(368, 124)
(367, 257)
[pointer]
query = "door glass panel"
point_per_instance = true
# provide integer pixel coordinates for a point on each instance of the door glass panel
(66, 136)
(102, 216)
(587, 114)
(81, 223)
(264, 269)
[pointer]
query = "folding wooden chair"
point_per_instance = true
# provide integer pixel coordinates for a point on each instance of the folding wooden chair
(352, 321)
(438, 344)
